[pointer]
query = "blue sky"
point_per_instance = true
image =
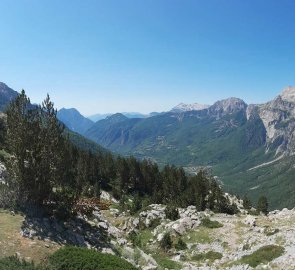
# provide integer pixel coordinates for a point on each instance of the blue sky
(147, 55)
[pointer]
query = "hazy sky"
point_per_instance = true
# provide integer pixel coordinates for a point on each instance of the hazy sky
(146, 55)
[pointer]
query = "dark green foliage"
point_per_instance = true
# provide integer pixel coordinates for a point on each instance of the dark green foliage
(2, 131)
(247, 203)
(166, 242)
(263, 255)
(135, 239)
(34, 137)
(13, 263)
(262, 205)
(208, 223)
(84, 259)
(180, 245)
(171, 213)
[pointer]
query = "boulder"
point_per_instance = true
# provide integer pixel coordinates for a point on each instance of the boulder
(103, 225)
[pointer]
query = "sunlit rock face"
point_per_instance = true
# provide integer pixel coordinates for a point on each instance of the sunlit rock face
(278, 117)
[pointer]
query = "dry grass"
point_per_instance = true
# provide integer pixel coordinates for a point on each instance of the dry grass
(11, 242)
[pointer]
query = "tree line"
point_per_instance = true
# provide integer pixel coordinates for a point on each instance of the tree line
(45, 168)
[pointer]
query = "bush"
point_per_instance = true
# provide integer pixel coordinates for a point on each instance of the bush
(135, 239)
(171, 213)
(180, 245)
(13, 263)
(263, 255)
(269, 232)
(166, 242)
(206, 222)
(210, 255)
(84, 259)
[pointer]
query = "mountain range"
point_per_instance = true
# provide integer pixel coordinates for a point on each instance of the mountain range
(249, 148)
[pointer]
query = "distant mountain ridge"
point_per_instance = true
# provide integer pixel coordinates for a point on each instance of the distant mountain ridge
(98, 117)
(74, 120)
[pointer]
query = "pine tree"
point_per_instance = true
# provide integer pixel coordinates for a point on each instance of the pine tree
(262, 205)
(247, 203)
(18, 143)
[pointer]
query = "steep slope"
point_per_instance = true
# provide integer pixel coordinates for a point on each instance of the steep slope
(249, 147)
(6, 96)
(74, 120)
(84, 143)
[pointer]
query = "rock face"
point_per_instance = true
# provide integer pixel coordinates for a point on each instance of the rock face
(278, 117)
(227, 106)
(288, 94)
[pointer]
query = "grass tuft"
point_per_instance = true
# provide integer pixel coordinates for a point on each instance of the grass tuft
(206, 222)
(263, 255)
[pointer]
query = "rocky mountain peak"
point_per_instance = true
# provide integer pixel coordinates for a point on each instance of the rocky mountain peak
(288, 94)
(229, 105)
